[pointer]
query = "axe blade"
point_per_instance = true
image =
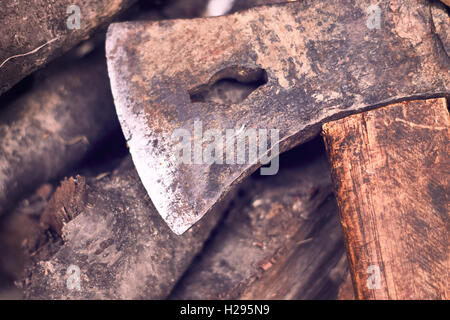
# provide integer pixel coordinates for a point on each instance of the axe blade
(323, 60)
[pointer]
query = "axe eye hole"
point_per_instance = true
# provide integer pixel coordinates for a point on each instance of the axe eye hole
(229, 86)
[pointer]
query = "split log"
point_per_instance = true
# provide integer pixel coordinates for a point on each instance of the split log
(36, 32)
(113, 234)
(50, 128)
(281, 241)
(390, 168)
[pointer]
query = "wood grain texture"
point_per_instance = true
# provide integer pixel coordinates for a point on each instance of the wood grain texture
(110, 229)
(390, 168)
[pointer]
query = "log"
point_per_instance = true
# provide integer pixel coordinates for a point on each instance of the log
(51, 127)
(280, 240)
(346, 291)
(36, 32)
(111, 231)
(390, 170)
(441, 22)
(20, 235)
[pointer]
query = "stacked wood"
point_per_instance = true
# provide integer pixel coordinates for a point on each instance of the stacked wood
(113, 235)
(50, 128)
(99, 236)
(281, 240)
(20, 235)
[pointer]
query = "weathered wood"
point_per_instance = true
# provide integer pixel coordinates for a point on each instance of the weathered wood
(441, 23)
(51, 127)
(36, 32)
(112, 232)
(20, 235)
(391, 172)
(346, 291)
(308, 267)
(281, 240)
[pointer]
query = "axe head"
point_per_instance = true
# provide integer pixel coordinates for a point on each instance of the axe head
(314, 61)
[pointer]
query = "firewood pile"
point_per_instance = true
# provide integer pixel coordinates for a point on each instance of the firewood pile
(101, 103)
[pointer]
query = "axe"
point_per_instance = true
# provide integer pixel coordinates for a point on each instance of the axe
(317, 61)
(309, 63)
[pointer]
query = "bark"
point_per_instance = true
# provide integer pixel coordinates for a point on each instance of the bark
(48, 129)
(36, 32)
(390, 168)
(112, 232)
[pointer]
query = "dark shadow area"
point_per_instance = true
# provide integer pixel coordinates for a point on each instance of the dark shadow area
(229, 86)
(299, 156)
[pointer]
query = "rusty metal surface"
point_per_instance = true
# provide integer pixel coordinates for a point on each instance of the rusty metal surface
(322, 63)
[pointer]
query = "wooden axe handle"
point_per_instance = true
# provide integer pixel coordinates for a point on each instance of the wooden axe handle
(390, 167)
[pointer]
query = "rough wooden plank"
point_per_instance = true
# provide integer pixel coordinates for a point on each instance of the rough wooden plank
(391, 171)
(35, 32)
(113, 233)
(281, 240)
